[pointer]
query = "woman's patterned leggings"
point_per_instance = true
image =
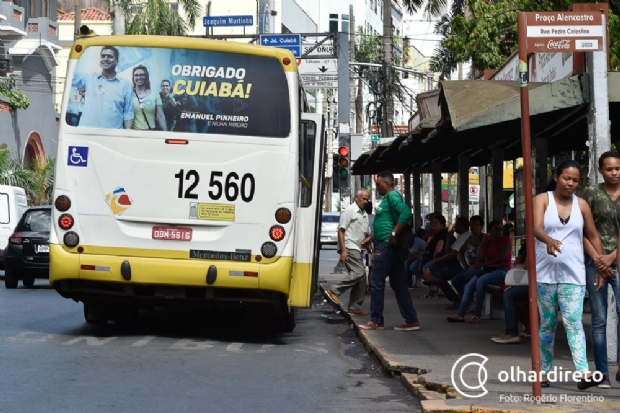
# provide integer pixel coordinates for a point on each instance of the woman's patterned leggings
(570, 299)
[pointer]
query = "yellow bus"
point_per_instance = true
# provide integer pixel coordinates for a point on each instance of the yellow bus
(189, 172)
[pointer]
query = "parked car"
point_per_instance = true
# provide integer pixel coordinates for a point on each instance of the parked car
(13, 204)
(329, 228)
(27, 254)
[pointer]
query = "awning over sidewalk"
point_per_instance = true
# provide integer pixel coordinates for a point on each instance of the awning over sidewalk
(477, 116)
(474, 103)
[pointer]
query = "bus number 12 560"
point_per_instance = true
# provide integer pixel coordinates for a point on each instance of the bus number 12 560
(232, 188)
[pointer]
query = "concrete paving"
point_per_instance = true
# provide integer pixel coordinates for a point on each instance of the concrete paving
(424, 359)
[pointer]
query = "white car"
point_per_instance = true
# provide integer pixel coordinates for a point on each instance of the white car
(329, 228)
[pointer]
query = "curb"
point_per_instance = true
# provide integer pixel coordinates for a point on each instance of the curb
(442, 398)
(410, 376)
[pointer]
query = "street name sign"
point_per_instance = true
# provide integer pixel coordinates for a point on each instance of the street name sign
(290, 42)
(227, 21)
(319, 73)
(565, 31)
(326, 48)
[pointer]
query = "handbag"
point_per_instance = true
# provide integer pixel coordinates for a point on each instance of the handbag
(516, 276)
(404, 240)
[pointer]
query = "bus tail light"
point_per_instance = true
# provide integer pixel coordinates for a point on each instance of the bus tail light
(65, 221)
(177, 141)
(286, 61)
(269, 249)
(62, 203)
(71, 239)
(283, 215)
(277, 233)
(15, 238)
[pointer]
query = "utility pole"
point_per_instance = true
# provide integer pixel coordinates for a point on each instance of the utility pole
(388, 105)
(119, 20)
(77, 19)
(357, 180)
(330, 152)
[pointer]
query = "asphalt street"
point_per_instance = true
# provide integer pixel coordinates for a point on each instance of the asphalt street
(184, 361)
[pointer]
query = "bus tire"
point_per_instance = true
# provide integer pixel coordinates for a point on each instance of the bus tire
(94, 314)
(288, 320)
(28, 282)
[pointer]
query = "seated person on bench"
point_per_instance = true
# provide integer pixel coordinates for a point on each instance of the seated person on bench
(495, 259)
(445, 267)
(468, 255)
(515, 307)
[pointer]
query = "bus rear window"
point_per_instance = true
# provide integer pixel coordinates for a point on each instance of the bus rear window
(179, 90)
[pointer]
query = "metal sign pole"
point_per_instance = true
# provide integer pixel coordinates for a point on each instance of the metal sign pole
(344, 113)
(526, 143)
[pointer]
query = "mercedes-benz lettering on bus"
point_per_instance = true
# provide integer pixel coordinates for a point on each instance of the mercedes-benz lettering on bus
(188, 172)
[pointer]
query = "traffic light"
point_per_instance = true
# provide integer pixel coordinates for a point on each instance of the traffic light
(344, 161)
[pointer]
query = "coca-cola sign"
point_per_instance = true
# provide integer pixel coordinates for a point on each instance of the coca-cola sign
(562, 44)
(558, 45)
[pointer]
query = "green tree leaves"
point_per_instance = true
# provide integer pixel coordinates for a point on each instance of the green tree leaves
(37, 179)
(485, 32)
(17, 98)
(157, 18)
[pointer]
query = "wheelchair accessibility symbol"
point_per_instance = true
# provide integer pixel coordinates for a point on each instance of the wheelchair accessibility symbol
(78, 156)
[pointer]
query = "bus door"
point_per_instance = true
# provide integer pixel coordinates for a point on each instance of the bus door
(309, 207)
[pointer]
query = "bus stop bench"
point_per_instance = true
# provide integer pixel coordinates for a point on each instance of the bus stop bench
(494, 302)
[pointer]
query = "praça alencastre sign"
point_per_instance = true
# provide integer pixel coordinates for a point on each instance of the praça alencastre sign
(564, 31)
(180, 90)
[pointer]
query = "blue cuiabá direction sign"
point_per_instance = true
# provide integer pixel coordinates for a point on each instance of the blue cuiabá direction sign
(290, 42)
(222, 21)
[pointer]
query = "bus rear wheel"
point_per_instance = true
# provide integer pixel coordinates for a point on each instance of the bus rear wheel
(287, 319)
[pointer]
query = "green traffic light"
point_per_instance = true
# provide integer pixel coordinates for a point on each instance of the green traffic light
(343, 172)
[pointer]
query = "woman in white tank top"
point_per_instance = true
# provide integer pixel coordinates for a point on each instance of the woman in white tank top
(561, 220)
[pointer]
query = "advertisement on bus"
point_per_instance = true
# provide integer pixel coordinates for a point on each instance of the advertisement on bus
(179, 90)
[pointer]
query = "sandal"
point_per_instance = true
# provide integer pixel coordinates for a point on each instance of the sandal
(474, 320)
(471, 308)
(455, 319)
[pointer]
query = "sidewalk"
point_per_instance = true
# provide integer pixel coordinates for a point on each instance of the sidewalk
(424, 360)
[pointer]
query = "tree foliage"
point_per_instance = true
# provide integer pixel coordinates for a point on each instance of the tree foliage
(488, 36)
(431, 8)
(17, 98)
(37, 179)
(485, 32)
(156, 17)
